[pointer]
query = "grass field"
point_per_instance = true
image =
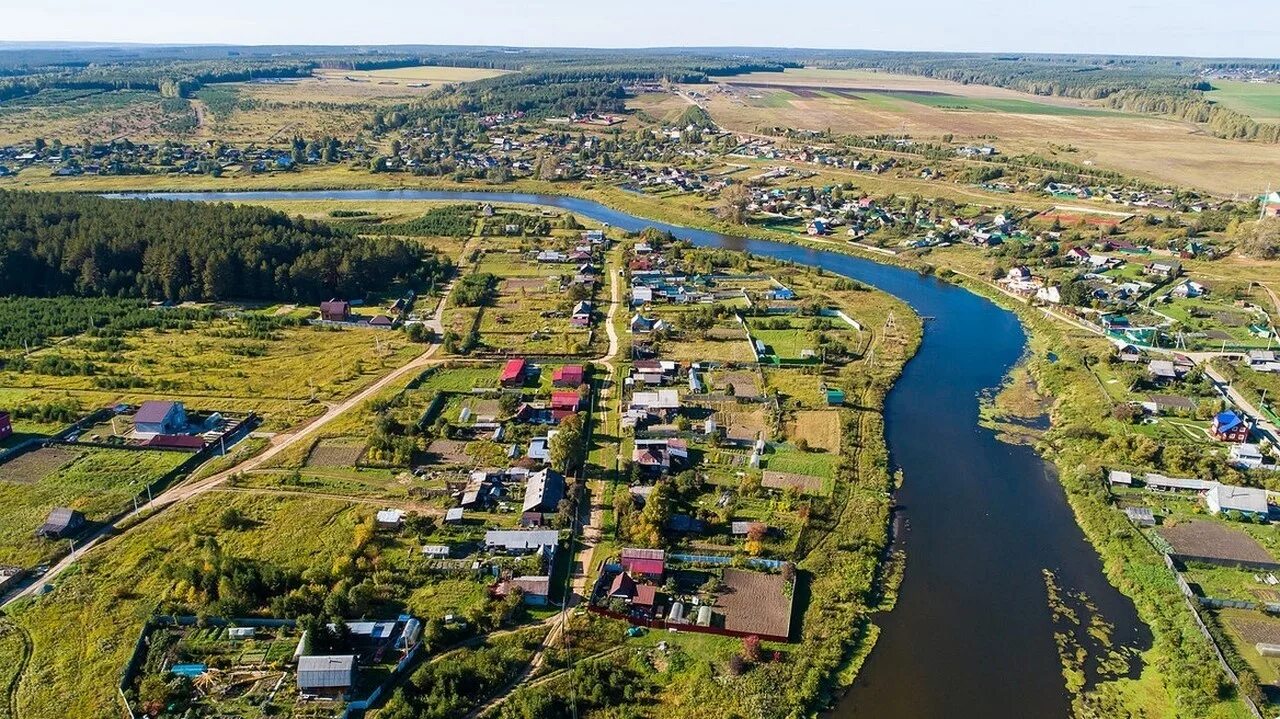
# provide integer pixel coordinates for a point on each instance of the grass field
(71, 115)
(1070, 130)
(98, 482)
(116, 588)
(1259, 100)
(284, 376)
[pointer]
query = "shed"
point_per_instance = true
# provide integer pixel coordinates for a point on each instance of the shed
(62, 522)
(453, 516)
(835, 396)
(436, 551)
(1116, 476)
(1141, 516)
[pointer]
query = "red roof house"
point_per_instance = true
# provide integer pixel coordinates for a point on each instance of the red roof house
(568, 376)
(648, 562)
(335, 311)
(567, 401)
(513, 373)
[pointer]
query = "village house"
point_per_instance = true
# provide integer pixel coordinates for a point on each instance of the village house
(1162, 270)
(335, 311)
(650, 563)
(534, 590)
(391, 519)
(571, 375)
(1263, 361)
(159, 418)
(542, 493)
(513, 373)
(660, 456)
(1250, 501)
(326, 676)
(1228, 426)
(643, 325)
(522, 541)
(1247, 455)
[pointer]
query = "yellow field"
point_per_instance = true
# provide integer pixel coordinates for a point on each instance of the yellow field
(1074, 131)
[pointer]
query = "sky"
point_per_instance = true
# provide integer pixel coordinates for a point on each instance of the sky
(1217, 28)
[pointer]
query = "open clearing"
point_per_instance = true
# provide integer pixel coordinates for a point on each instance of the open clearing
(1212, 541)
(1259, 100)
(820, 428)
(31, 467)
(1060, 128)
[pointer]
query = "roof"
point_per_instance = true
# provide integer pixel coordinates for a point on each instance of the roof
(565, 400)
(512, 370)
(646, 595)
(454, 514)
(390, 516)
(1226, 421)
(435, 549)
(1242, 499)
(326, 672)
(538, 586)
(61, 518)
(153, 411)
(1159, 480)
(521, 538)
(543, 491)
(639, 553)
(1115, 476)
(654, 567)
(571, 373)
(623, 585)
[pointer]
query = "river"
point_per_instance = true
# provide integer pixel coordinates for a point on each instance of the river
(972, 635)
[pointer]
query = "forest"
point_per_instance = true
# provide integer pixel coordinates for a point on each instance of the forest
(65, 244)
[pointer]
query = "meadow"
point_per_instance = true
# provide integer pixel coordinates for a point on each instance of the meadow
(285, 375)
(1259, 100)
(70, 115)
(98, 482)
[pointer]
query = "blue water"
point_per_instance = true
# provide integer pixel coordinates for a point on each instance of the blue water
(971, 635)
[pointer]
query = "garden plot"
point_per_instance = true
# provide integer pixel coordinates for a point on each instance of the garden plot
(1216, 543)
(820, 429)
(448, 451)
(31, 467)
(743, 424)
(336, 452)
(744, 384)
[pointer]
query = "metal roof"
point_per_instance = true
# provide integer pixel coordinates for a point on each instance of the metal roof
(326, 672)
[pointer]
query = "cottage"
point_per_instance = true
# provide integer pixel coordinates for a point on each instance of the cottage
(641, 295)
(1229, 427)
(647, 562)
(540, 447)
(1263, 361)
(1248, 456)
(570, 375)
(1163, 270)
(1249, 501)
(61, 522)
(543, 491)
(335, 311)
(155, 417)
(390, 519)
(328, 676)
(567, 401)
(521, 541)
(513, 373)
(534, 590)
(660, 455)
(1161, 371)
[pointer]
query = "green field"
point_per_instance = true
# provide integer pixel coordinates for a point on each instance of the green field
(978, 104)
(1258, 100)
(99, 482)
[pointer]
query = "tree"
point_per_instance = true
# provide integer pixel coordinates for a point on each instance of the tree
(1262, 239)
(733, 204)
(568, 446)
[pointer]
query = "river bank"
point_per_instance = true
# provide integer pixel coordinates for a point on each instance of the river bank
(991, 373)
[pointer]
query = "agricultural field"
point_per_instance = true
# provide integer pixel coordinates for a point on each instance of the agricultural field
(863, 102)
(96, 481)
(1259, 100)
(330, 102)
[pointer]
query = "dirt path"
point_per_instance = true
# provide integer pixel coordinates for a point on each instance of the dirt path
(279, 443)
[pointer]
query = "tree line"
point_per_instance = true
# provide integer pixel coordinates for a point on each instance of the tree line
(64, 244)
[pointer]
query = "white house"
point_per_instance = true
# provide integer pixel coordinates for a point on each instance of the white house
(1246, 500)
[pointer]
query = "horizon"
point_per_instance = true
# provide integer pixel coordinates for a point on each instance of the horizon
(53, 44)
(1178, 28)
